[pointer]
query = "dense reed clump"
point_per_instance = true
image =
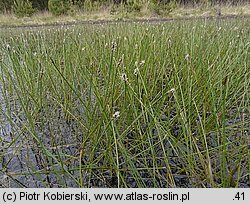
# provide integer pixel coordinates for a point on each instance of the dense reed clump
(126, 105)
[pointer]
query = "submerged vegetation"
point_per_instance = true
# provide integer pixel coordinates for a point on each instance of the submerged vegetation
(126, 105)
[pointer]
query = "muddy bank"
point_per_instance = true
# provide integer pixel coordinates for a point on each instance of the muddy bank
(149, 20)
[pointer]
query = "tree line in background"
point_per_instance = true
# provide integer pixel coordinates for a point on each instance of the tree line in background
(57, 7)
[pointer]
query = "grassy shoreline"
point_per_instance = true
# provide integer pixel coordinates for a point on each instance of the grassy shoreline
(45, 18)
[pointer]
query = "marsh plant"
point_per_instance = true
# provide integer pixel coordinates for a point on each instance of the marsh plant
(126, 105)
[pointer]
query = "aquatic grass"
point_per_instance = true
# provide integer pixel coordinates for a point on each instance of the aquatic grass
(126, 105)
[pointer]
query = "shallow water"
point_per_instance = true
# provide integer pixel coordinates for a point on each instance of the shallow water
(23, 163)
